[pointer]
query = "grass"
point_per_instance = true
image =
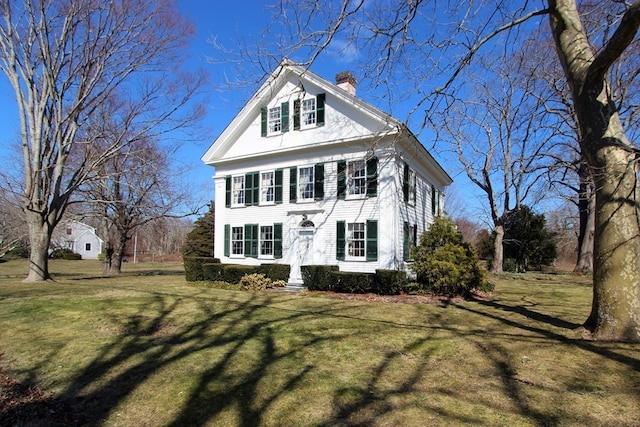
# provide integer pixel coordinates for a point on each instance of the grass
(148, 349)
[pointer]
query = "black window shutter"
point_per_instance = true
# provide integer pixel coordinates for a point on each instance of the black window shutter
(433, 200)
(296, 114)
(405, 183)
(320, 109)
(341, 240)
(253, 189)
(227, 239)
(248, 189)
(263, 121)
(251, 240)
(278, 186)
(406, 242)
(372, 177)
(318, 184)
(284, 111)
(227, 193)
(277, 240)
(372, 240)
(293, 184)
(342, 179)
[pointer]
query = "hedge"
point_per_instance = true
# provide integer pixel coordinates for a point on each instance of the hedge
(275, 272)
(352, 283)
(193, 270)
(390, 282)
(232, 273)
(318, 277)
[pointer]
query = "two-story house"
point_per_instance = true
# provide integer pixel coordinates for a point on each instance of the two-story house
(309, 174)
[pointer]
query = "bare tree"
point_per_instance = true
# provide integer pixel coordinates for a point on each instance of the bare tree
(130, 190)
(64, 59)
(500, 142)
(434, 44)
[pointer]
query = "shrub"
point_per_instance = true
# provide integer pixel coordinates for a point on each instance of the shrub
(444, 263)
(390, 282)
(275, 271)
(317, 277)
(199, 241)
(352, 283)
(16, 253)
(65, 254)
(193, 270)
(255, 282)
(212, 272)
(232, 273)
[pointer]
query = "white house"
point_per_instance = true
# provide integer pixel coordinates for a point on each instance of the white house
(79, 237)
(309, 174)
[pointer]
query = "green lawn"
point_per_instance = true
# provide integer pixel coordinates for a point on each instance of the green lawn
(147, 349)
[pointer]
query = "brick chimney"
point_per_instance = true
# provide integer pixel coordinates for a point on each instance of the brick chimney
(346, 81)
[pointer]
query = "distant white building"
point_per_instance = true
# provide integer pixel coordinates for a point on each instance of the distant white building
(78, 237)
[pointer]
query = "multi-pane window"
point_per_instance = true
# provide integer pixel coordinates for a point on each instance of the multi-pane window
(308, 112)
(356, 177)
(412, 187)
(238, 190)
(356, 242)
(237, 240)
(266, 240)
(275, 119)
(267, 186)
(305, 183)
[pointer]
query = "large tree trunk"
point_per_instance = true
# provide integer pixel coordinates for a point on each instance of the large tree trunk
(39, 239)
(587, 212)
(498, 250)
(612, 159)
(615, 311)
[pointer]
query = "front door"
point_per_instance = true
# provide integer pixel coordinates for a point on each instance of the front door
(302, 252)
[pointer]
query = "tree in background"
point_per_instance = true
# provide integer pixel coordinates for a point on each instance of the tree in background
(528, 241)
(199, 241)
(63, 60)
(131, 189)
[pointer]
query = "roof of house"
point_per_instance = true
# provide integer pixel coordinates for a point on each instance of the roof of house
(274, 83)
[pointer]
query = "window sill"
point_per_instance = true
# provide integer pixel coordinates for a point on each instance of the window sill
(356, 197)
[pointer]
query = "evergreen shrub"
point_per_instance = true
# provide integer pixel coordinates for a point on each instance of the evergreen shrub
(318, 277)
(193, 267)
(275, 272)
(232, 273)
(212, 272)
(352, 283)
(390, 282)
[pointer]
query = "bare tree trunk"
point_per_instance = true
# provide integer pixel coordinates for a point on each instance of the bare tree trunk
(615, 311)
(39, 239)
(498, 250)
(587, 212)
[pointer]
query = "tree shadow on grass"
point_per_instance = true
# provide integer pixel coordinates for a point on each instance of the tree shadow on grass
(146, 345)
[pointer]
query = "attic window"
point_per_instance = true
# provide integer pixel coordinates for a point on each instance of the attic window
(308, 112)
(275, 120)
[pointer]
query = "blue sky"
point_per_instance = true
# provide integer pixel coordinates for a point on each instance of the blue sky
(244, 18)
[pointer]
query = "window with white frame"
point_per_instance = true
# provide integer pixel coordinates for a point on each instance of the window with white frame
(412, 187)
(266, 240)
(356, 241)
(308, 115)
(356, 177)
(275, 119)
(305, 183)
(238, 191)
(267, 187)
(237, 240)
